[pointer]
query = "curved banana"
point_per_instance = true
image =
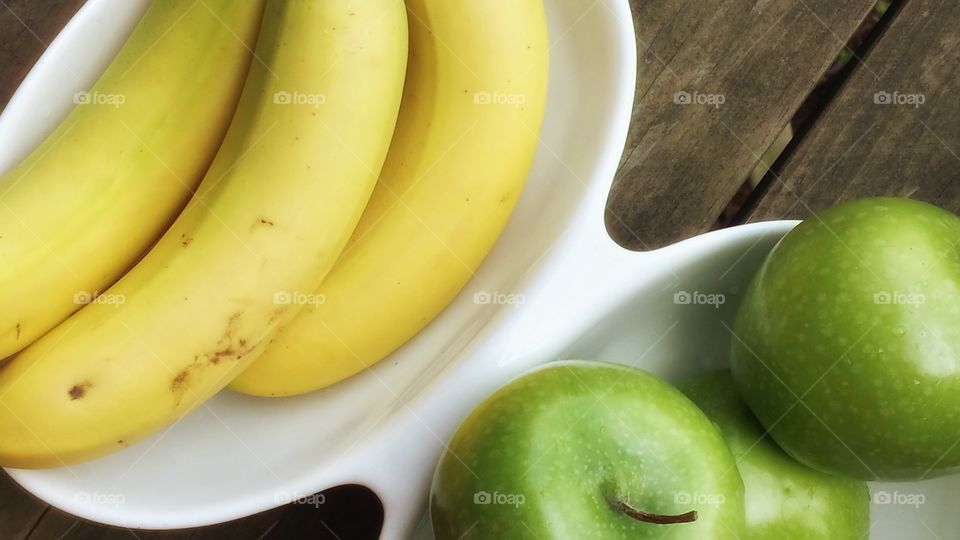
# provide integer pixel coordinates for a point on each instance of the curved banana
(93, 197)
(278, 205)
(466, 137)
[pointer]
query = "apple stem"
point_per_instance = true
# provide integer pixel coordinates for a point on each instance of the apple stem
(657, 519)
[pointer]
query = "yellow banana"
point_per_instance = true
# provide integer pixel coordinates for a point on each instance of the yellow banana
(278, 205)
(465, 140)
(93, 197)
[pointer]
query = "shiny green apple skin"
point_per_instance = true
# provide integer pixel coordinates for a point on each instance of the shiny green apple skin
(571, 439)
(784, 499)
(847, 343)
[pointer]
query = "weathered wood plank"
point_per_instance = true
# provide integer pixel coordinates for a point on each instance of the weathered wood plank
(859, 147)
(760, 58)
(28, 26)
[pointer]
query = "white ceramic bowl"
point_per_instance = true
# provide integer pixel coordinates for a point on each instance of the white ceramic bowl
(555, 286)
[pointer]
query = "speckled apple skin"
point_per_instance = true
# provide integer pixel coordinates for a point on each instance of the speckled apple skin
(573, 436)
(844, 381)
(784, 498)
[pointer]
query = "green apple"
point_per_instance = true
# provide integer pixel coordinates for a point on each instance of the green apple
(847, 343)
(784, 499)
(586, 450)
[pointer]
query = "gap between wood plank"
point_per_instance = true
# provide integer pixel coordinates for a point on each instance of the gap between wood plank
(801, 130)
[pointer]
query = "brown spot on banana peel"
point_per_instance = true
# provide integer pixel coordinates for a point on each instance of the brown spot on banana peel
(180, 381)
(263, 221)
(228, 346)
(231, 350)
(79, 390)
(232, 322)
(180, 384)
(215, 359)
(277, 314)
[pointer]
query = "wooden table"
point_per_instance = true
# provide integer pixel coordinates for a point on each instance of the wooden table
(815, 92)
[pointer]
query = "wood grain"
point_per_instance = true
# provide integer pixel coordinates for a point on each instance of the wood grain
(859, 147)
(684, 162)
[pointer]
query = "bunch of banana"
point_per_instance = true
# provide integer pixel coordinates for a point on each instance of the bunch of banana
(271, 216)
(465, 140)
(86, 204)
(290, 208)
